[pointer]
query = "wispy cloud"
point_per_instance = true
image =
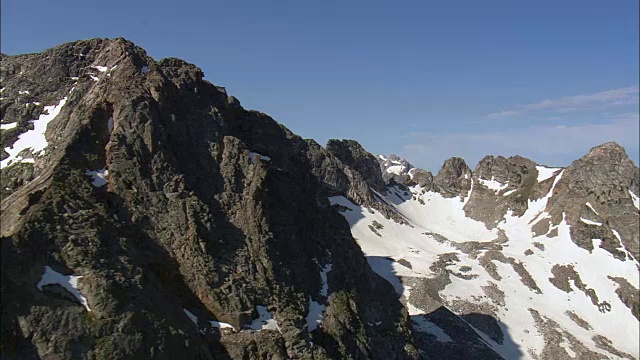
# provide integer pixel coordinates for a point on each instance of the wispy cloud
(503, 114)
(547, 144)
(586, 102)
(630, 116)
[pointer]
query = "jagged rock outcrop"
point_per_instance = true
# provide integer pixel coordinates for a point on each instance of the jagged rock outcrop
(553, 252)
(353, 155)
(395, 169)
(453, 179)
(608, 181)
(503, 184)
(164, 211)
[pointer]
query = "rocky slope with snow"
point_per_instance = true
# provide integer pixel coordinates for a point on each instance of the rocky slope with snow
(147, 214)
(548, 256)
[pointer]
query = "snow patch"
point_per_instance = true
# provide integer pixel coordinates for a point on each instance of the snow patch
(193, 318)
(69, 282)
(421, 324)
(100, 68)
(253, 155)
(94, 78)
(395, 169)
(635, 199)
(144, 69)
(509, 192)
(622, 247)
(221, 325)
(616, 234)
(590, 222)
(591, 207)
(110, 124)
(544, 172)
(493, 184)
(8, 126)
(265, 320)
(99, 177)
(23, 92)
(33, 139)
(567, 347)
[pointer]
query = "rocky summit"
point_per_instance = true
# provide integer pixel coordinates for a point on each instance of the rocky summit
(147, 215)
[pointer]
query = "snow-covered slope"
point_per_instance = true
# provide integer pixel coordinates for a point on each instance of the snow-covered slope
(528, 296)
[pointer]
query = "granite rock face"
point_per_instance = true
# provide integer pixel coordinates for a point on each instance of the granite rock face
(608, 180)
(179, 211)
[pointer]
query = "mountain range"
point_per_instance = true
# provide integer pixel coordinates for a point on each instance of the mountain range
(147, 214)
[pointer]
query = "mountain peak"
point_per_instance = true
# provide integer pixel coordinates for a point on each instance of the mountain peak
(610, 150)
(223, 210)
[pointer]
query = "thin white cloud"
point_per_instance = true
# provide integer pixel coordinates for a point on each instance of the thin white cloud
(596, 101)
(502, 114)
(547, 144)
(630, 116)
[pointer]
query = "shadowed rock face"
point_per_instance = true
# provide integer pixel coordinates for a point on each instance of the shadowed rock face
(353, 155)
(207, 208)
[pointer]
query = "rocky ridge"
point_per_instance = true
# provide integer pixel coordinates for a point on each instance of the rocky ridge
(162, 219)
(549, 225)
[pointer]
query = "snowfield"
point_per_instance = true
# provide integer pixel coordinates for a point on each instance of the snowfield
(522, 270)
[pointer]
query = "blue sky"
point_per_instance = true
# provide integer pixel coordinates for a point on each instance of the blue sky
(426, 80)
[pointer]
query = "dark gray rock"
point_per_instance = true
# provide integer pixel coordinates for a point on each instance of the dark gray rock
(453, 179)
(188, 219)
(353, 155)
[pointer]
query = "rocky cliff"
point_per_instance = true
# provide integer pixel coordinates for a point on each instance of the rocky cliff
(146, 214)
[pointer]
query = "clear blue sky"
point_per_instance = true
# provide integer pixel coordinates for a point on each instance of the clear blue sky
(426, 80)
